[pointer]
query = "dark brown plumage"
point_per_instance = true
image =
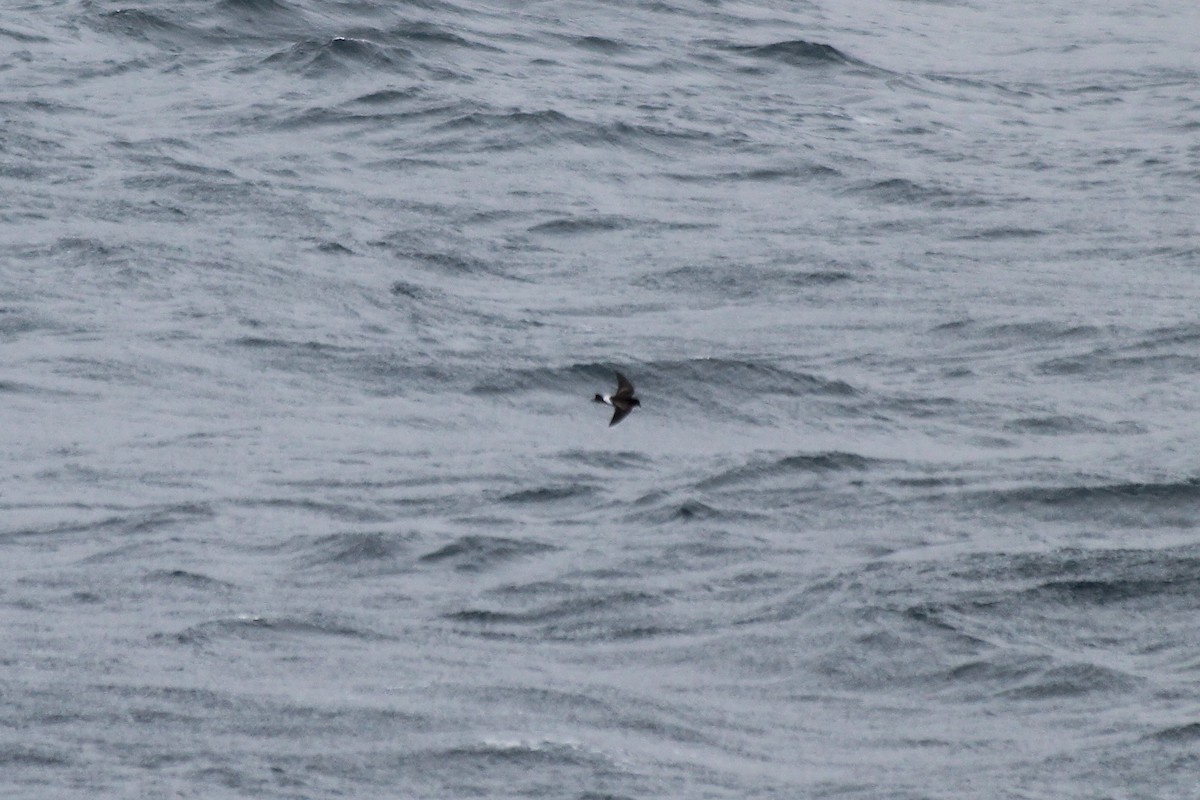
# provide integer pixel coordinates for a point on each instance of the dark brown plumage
(622, 400)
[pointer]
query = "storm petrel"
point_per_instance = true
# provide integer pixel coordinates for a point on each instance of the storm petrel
(621, 400)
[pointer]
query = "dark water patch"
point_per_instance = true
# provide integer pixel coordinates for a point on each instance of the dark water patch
(902, 191)
(1001, 234)
(883, 657)
(807, 279)
(278, 719)
(1116, 578)
(1058, 424)
(254, 7)
(1019, 676)
(803, 171)
(84, 251)
(1188, 733)
(706, 550)
(12, 387)
(334, 249)
(143, 26)
(139, 521)
(573, 378)
(583, 604)
(341, 511)
(373, 486)
(594, 223)
(796, 52)
(514, 121)
(1073, 680)
(986, 335)
(954, 326)
(743, 281)
(938, 617)
(317, 58)
(549, 494)
(159, 717)
(389, 96)
(739, 378)
(543, 755)
(183, 696)
(321, 117)
(633, 135)
(505, 130)
(751, 175)
(1145, 501)
(923, 407)
(257, 628)
(606, 459)
(197, 188)
(22, 172)
(429, 33)
(1106, 364)
(528, 767)
(25, 144)
(406, 289)
(651, 499)
(443, 260)
(1164, 351)
(258, 715)
(480, 553)
(930, 482)
(564, 702)
(533, 589)
(307, 348)
(257, 22)
(1108, 591)
(1074, 579)
(188, 580)
(1172, 335)
(166, 171)
(788, 466)
(22, 36)
(975, 86)
(1041, 330)
(695, 510)
(16, 322)
(159, 162)
(830, 460)
(18, 756)
(62, 528)
(600, 44)
(691, 510)
(996, 673)
(1029, 626)
(763, 595)
(600, 616)
(358, 549)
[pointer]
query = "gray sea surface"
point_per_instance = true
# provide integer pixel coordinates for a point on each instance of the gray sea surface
(303, 305)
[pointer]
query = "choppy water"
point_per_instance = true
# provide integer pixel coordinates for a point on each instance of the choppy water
(302, 306)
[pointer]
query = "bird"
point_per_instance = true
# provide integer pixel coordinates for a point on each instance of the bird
(622, 400)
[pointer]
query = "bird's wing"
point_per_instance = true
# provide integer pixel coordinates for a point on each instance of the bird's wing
(624, 387)
(620, 411)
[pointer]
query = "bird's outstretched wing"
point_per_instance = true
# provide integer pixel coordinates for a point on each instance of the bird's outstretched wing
(624, 388)
(620, 411)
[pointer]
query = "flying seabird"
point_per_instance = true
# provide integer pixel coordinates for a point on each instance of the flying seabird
(621, 400)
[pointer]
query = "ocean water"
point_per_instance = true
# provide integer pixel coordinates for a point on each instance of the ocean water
(302, 306)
